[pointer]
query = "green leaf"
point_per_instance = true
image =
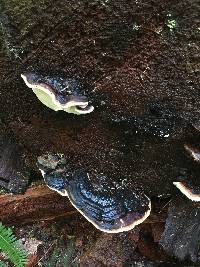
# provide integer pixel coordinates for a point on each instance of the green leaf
(11, 247)
(2, 264)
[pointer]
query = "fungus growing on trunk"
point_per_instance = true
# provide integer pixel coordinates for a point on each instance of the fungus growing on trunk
(193, 152)
(109, 210)
(58, 93)
(190, 190)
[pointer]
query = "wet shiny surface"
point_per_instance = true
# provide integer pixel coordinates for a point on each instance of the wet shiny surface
(131, 59)
(62, 87)
(108, 208)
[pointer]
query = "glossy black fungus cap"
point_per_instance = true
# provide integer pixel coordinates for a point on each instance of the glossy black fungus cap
(110, 210)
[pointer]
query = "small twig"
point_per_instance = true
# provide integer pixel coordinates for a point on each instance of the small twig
(165, 206)
(45, 253)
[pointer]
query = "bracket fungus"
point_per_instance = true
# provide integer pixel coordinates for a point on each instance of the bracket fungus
(190, 190)
(111, 211)
(59, 93)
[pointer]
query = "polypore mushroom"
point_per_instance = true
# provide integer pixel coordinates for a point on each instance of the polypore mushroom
(110, 211)
(58, 93)
(190, 190)
(193, 152)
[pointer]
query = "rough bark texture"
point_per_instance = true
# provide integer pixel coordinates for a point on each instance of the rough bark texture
(37, 204)
(139, 62)
(182, 230)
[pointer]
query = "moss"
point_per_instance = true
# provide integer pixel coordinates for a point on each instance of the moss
(171, 23)
(3, 191)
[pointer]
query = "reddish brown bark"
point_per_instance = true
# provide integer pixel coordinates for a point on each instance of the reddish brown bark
(37, 204)
(40, 203)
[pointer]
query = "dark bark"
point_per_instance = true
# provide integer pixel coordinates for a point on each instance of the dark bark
(39, 203)
(139, 62)
(181, 237)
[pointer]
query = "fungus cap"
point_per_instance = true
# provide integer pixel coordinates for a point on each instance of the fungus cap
(190, 191)
(193, 152)
(110, 211)
(56, 93)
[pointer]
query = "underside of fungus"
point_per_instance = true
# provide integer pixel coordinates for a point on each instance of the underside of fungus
(111, 211)
(58, 93)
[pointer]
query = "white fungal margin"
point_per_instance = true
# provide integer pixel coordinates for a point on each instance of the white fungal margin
(79, 107)
(187, 191)
(117, 230)
(194, 153)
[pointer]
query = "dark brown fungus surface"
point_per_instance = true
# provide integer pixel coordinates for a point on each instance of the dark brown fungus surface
(59, 93)
(110, 210)
(182, 230)
(13, 174)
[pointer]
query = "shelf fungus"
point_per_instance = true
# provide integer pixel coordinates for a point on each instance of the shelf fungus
(59, 93)
(189, 189)
(110, 211)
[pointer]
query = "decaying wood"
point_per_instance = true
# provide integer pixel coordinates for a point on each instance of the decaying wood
(156, 218)
(39, 203)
